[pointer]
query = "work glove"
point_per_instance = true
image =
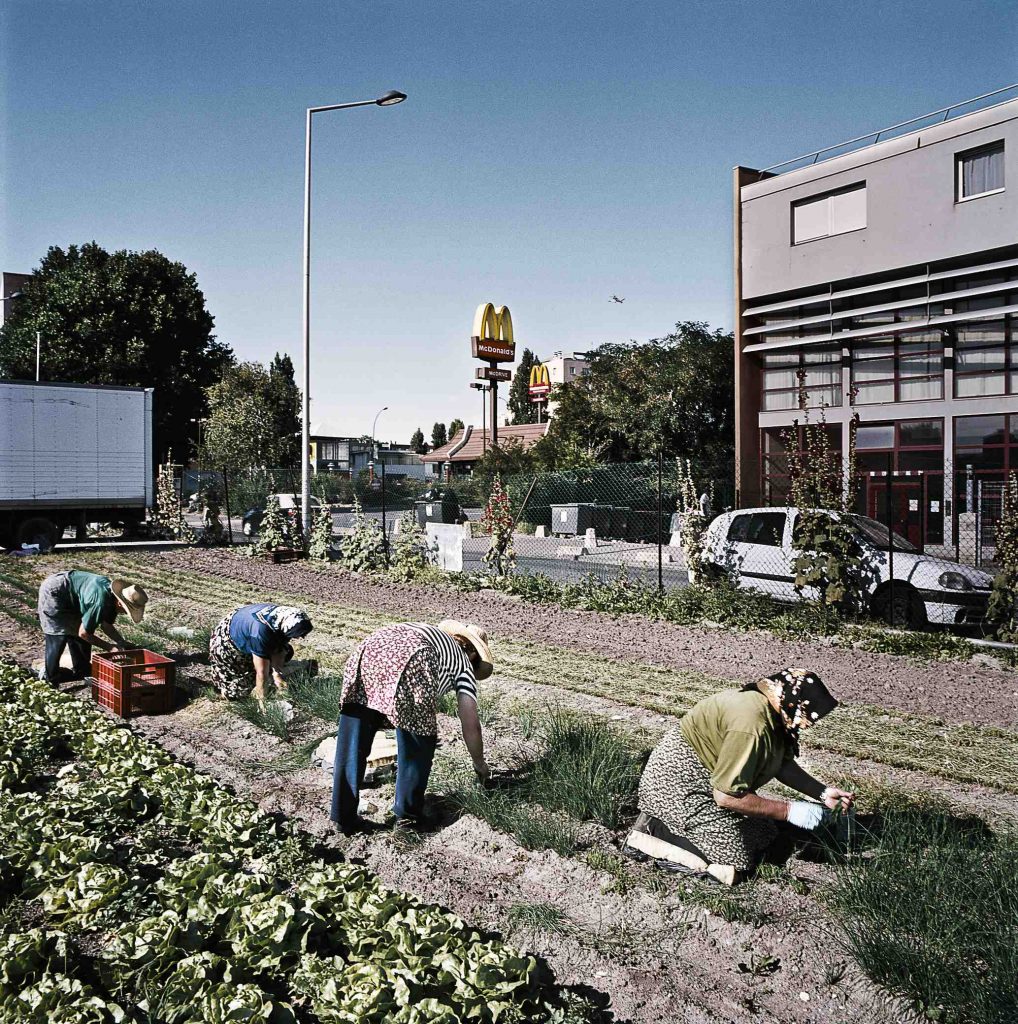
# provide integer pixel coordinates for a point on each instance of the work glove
(805, 814)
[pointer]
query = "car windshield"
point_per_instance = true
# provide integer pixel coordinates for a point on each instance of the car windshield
(876, 534)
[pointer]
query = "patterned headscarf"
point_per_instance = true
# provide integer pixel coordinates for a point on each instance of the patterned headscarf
(799, 697)
(292, 622)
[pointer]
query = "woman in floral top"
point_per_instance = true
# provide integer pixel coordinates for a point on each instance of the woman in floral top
(395, 679)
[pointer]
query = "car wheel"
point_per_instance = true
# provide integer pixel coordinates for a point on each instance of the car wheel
(907, 611)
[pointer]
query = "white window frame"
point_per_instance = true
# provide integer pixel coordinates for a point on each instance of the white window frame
(959, 162)
(828, 197)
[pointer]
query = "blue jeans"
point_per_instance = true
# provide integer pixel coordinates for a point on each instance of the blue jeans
(414, 754)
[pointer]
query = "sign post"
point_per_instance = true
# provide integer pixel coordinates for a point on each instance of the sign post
(492, 342)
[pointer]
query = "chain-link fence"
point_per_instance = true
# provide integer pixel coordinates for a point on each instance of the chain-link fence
(604, 519)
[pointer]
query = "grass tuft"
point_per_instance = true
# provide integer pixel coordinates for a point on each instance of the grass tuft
(318, 696)
(589, 770)
(271, 718)
(537, 917)
(933, 916)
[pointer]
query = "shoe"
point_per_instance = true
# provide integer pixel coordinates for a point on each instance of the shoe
(38, 668)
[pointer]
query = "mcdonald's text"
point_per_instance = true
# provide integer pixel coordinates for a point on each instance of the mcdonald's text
(496, 351)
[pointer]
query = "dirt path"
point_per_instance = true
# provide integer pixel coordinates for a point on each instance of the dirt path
(955, 691)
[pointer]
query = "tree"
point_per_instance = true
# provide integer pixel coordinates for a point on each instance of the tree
(520, 406)
(456, 427)
(675, 393)
(438, 435)
(245, 410)
(283, 401)
(126, 318)
(417, 442)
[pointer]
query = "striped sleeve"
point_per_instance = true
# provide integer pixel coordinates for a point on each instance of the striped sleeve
(454, 665)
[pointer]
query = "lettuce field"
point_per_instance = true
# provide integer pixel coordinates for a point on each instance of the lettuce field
(134, 889)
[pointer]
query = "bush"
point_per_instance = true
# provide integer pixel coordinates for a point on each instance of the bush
(933, 917)
(364, 549)
(321, 534)
(409, 551)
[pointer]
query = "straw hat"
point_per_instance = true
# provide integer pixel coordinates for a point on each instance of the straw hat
(477, 638)
(132, 599)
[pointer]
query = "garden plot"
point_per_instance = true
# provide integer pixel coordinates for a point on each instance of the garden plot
(539, 865)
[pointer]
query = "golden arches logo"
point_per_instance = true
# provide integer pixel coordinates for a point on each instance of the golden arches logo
(493, 323)
(539, 376)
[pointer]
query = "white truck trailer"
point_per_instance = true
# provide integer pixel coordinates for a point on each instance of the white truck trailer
(72, 454)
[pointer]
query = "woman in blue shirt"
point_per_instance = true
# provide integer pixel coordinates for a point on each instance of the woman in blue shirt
(251, 644)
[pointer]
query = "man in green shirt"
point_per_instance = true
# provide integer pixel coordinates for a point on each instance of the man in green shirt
(72, 607)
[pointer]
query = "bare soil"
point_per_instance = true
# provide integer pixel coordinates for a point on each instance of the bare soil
(955, 691)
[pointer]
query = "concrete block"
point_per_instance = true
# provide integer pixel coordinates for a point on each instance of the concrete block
(541, 531)
(590, 539)
(445, 546)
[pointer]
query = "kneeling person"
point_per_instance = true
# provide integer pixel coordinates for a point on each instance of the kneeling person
(698, 793)
(252, 644)
(72, 607)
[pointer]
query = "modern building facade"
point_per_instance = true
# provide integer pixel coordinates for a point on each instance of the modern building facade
(880, 284)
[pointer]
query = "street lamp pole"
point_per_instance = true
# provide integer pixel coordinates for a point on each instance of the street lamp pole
(388, 100)
(374, 445)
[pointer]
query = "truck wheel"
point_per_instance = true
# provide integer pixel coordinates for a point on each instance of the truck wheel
(39, 530)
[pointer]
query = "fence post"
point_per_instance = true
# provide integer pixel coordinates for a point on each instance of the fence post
(226, 502)
(660, 568)
(890, 536)
(385, 534)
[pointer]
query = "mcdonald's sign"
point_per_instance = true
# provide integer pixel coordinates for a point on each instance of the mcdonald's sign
(492, 338)
(540, 384)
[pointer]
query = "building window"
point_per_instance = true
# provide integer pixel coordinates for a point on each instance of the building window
(776, 464)
(914, 451)
(981, 172)
(833, 213)
(982, 358)
(985, 454)
(813, 374)
(909, 368)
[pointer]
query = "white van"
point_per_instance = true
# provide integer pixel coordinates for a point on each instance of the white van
(756, 546)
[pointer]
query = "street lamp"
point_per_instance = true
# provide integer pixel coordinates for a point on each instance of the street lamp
(389, 99)
(374, 446)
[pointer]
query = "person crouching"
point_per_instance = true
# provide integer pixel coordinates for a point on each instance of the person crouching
(396, 677)
(252, 645)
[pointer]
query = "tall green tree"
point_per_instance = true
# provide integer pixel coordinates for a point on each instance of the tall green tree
(242, 431)
(438, 435)
(455, 428)
(417, 442)
(283, 401)
(675, 393)
(521, 409)
(128, 318)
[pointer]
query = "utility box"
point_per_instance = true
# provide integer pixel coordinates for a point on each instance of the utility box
(574, 519)
(619, 522)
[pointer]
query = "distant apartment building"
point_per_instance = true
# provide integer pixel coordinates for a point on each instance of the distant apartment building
(879, 280)
(563, 369)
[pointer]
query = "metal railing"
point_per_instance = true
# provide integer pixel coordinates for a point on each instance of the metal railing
(872, 138)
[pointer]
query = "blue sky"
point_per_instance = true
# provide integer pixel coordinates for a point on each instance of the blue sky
(550, 154)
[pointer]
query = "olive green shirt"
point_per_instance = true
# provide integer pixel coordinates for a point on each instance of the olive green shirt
(739, 738)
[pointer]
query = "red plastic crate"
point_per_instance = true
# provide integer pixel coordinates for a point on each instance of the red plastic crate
(136, 682)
